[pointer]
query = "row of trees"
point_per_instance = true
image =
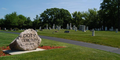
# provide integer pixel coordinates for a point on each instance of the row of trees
(107, 16)
(60, 17)
(109, 13)
(15, 21)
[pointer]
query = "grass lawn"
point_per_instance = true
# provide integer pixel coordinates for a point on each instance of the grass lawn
(108, 38)
(71, 52)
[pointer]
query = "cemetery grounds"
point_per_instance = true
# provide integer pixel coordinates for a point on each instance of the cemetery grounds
(71, 52)
(107, 38)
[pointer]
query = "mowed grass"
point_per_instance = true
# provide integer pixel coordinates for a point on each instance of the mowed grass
(71, 52)
(108, 38)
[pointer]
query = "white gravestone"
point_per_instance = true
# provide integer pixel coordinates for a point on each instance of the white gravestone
(111, 28)
(75, 28)
(40, 28)
(116, 30)
(58, 28)
(93, 32)
(83, 28)
(53, 26)
(5, 29)
(70, 26)
(105, 28)
(47, 26)
(67, 26)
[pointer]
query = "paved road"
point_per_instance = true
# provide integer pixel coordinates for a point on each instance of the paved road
(90, 45)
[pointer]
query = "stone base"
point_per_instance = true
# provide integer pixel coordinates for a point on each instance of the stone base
(11, 52)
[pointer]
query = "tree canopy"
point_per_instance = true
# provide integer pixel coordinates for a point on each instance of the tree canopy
(56, 16)
(107, 16)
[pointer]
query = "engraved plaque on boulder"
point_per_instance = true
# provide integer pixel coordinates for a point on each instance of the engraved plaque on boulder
(27, 40)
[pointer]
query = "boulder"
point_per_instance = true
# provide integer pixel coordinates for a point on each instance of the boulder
(27, 40)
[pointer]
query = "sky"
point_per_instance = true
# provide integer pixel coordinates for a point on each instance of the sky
(31, 8)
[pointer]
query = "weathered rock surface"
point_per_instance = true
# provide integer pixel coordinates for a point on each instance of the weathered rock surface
(27, 40)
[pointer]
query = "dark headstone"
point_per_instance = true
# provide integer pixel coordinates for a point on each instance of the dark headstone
(11, 29)
(56, 31)
(66, 31)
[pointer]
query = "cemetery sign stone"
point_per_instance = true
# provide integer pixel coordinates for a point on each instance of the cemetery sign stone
(27, 40)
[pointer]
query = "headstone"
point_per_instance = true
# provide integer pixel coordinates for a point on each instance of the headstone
(58, 28)
(80, 27)
(111, 29)
(66, 31)
(44, 27)
(105, 28)
(116, 30)
(70, 26)
(67, 26)
(102, 27)
(47, 26)
(98, 29)
(75, 28)
(27, 40)
(14, 29)
(56, 31)
(11, 29)
(53, 26)
(87, 28)
(83, 28)
(93, 32)
(5, 29)
(40, 28)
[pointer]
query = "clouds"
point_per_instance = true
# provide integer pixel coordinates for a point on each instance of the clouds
(4, 8)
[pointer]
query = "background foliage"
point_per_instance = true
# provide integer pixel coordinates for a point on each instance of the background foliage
(107, 16)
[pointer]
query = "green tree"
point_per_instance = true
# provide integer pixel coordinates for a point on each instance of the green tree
(36, 22)
(11, 20)
(77, 18)
(91, 18)
(21, 21)
(2, 22)
(28, 23)
(55, 16)
(109, 13)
